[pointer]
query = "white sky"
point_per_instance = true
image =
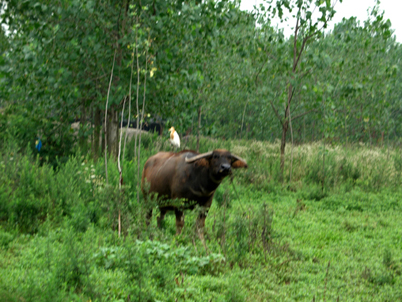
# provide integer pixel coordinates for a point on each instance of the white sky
(349, 8)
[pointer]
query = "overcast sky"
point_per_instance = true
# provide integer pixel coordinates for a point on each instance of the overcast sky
(349, 8)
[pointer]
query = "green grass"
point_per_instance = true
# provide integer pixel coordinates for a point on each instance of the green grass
(267, 241)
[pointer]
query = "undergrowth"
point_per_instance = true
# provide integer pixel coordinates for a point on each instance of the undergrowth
(333, 233)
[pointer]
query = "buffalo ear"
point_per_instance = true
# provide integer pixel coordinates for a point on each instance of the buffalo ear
(238, 163)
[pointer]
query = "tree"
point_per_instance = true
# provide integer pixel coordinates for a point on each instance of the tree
(307, 28)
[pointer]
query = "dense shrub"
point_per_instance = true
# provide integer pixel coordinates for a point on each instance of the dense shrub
(20, 125)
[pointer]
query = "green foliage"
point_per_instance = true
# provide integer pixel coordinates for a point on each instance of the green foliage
(234, 292)
(5, 239)
(64, 244)
(398, 166)
(266, 239)
(24, 129)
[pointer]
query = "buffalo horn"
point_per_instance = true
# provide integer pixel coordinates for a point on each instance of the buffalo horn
(197, 157)
(238, 158)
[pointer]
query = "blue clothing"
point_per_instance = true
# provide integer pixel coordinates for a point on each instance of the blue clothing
(38, 144)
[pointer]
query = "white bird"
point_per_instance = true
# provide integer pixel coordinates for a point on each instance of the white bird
(174, 138)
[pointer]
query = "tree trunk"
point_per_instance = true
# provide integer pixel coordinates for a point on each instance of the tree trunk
(97, 131)
(142, 118)
(113, 131)
(346, 128)
(199, 129)
(285, 127)
(92, 113)
(242, 119)
(83, 123)
(312, 139)
(388, 145)
(283, 144)
(291, 155)
(323, 166)
(113, 122)
(138, 90)
(117, 133)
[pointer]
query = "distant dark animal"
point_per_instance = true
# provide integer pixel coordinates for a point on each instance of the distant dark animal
(146, 126)
(152, 127)
(133, 124)
(186, 179)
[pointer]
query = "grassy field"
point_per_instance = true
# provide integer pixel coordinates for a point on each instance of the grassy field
(267, 241)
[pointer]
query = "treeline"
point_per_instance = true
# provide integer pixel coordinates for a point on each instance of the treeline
(203, 66)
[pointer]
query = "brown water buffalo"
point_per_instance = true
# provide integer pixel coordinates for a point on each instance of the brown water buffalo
(186, 179)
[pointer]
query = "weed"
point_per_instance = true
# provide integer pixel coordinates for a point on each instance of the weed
(5, 239)
(59, 242)
(234, 292)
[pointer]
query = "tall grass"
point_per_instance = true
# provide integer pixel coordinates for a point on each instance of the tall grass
(266, 240)
(32, 193)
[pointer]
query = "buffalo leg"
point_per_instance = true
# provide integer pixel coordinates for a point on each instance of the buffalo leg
(148, 217)
(179, 221)
(201, 226)
(161, 217)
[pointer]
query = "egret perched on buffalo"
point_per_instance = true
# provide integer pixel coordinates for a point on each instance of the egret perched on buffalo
(174, 138)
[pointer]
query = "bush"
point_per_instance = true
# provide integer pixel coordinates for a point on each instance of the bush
(348, 171)
(5, 239)
(19, 125)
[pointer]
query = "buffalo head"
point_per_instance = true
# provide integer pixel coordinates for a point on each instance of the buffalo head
(220, 163)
